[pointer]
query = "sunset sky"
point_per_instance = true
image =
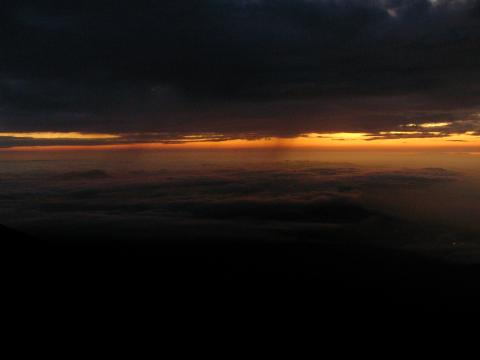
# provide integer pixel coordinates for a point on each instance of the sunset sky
(240, 73)
(321, 156)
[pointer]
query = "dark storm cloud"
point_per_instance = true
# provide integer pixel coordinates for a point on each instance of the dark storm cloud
(236, 66)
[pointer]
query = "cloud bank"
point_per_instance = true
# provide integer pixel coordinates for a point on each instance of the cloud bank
(265, 202)
(271, 67)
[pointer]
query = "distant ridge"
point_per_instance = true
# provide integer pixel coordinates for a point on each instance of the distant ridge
(6, 233)
(13, 242)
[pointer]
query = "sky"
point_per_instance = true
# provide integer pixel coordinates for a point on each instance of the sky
(240, 73)
(255, 141)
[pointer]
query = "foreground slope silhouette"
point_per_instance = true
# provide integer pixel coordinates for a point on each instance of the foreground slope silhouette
(300, 275)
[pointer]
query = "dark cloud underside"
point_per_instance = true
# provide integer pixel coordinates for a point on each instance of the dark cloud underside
(237, 66)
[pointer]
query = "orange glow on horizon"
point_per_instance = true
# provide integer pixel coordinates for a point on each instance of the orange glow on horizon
(311, 140)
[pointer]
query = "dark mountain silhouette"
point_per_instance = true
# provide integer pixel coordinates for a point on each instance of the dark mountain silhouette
(300, 275)
(14, 241)
(6, 232)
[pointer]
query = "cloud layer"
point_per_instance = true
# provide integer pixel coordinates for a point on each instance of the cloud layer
(265, 202)
(275, 67)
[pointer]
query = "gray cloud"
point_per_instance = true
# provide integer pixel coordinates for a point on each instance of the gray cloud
(301, 192)
(94, 174)
(237, 67)
(277, 201)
